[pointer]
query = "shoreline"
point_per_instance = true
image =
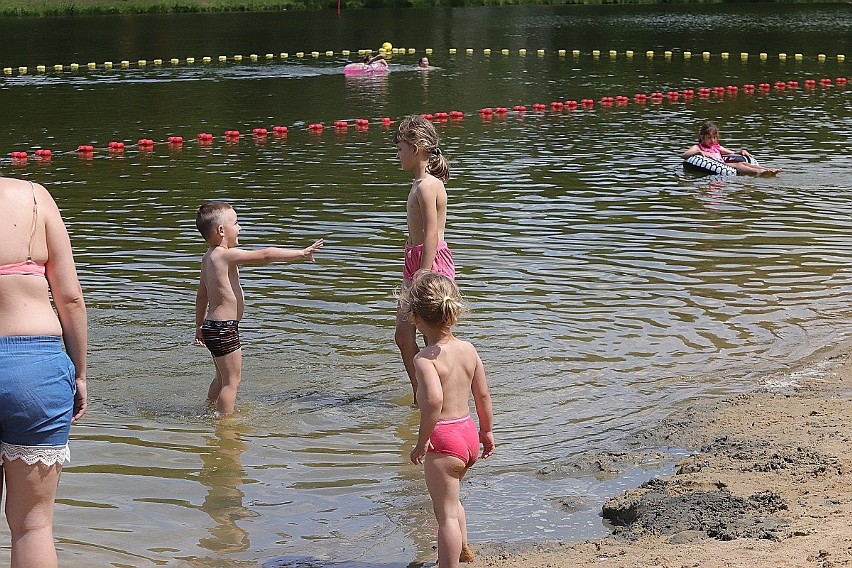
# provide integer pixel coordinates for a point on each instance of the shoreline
(768, 482)
(54, 8)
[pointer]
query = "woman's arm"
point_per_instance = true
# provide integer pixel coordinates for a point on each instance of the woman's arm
(61, 273)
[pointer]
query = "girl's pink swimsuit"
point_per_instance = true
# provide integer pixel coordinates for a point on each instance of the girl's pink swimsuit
(443, 263)
(457, 437)
(713, 150)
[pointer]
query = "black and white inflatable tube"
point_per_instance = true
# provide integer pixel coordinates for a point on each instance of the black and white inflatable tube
(703, 165)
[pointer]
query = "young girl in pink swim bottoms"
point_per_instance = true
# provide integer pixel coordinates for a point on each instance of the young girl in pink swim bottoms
(447, 370)
(426, 212)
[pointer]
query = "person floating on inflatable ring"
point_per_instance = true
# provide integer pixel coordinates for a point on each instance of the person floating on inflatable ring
(709, 147)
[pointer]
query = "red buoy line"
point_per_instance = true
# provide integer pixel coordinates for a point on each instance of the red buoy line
(147, 145)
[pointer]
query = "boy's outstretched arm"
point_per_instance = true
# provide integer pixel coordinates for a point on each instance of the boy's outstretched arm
(484, 411)
(272, 254)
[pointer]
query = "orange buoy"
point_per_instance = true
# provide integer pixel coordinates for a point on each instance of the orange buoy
(456, 115)
(85, 149)
(519, 108)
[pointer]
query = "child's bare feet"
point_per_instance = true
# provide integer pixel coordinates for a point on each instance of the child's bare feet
(769, 172)
(466, 554)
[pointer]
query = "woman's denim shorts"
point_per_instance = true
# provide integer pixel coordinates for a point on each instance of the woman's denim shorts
(37, 387)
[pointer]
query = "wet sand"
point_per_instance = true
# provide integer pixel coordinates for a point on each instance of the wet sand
(768, 483)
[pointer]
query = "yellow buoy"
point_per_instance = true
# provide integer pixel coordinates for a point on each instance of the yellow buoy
(798, 56)
(22, 70)
(841, 58)
(107, 64)
(329, 53)
(270, 56)
(190, 60)
(744, 56)
(613, 54)
(629, 53)
(387, 46)
(596, 53)
(725, 55)
(223, 58)
(73, 66)
(428, 51)
(575, 52)
(561, 52)
(92, 66)
(142, 63)
(539, 52)
(763, 56)
(504, 51)
(58, 67)
(667, 54)
(687, 55)
(452, 51)
(469, 51)
(345, 52)
(41, 68)
(174, 60)
(705, 55)
(158, 62)
(125, 63)
(522, 51)
(315, 54)
(649, 54)
(284, 55)
(7, 70)
(300, 54)
(486, 51)
(411, 51)
(782, 56)
(821, 57)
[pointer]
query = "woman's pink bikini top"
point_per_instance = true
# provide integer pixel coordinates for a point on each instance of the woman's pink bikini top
(29, 266)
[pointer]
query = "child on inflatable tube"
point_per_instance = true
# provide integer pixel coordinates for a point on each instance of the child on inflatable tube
(709, 147)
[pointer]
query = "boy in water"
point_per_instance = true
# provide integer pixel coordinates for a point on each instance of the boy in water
(219, 303)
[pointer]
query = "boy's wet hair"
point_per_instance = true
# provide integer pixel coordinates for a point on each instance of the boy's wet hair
(209, 216)
(434, 298)
(420, 133)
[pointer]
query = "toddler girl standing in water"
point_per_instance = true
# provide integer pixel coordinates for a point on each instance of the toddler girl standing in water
(447, 370)
(426, 212)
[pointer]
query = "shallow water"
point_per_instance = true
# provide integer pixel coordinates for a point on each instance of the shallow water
(606, 285)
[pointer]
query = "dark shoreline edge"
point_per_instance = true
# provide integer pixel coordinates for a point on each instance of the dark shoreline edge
(55, 8)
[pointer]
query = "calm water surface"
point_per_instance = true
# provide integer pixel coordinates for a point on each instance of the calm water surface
(606, 286)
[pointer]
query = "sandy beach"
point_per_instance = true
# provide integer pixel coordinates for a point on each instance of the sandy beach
(768, 483)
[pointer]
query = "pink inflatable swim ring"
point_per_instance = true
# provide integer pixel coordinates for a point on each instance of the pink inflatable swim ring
(358, 68)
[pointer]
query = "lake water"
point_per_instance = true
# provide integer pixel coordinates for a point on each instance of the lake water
(606, 285)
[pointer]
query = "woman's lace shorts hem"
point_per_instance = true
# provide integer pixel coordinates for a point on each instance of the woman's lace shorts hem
(47, 455)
